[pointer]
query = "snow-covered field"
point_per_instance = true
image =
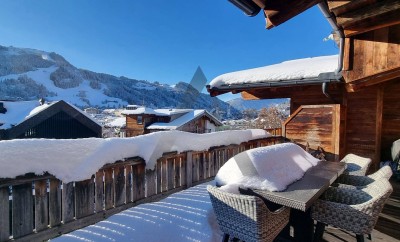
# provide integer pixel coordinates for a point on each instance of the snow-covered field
(183, 216)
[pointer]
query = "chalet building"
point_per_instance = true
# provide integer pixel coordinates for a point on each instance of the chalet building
(143, 120)
(58, 120)
(350, 103)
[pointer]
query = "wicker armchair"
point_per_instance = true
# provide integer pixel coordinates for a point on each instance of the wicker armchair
(359, 182)
(356, 165)
(246, 217)
(356, 211)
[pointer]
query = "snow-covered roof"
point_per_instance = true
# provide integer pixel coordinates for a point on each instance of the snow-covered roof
(118, 122)
(143, 110)
(300, 70)
(192, 114)
(78, 159)
(18, 112)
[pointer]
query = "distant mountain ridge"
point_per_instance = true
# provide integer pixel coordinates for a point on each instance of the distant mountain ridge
(28, 74)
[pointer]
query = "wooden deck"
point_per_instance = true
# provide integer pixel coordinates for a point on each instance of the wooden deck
(388, 227)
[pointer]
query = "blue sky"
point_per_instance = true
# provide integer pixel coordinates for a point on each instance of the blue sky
(160, 40)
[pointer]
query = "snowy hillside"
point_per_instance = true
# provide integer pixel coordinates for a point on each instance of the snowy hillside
(27, 74)
(242, 104)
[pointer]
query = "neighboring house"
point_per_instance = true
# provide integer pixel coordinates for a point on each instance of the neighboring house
(143, 120)
(347, 103)
(115, 128)
(58, 120)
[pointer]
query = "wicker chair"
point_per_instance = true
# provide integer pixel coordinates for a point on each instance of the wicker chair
(246, 217)
(356, 165)
(353, 210)
(359, 182)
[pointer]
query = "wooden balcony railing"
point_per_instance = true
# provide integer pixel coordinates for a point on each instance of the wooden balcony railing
(35, 208)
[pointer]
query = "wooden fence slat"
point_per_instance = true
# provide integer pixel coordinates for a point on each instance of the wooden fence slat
(170, 173)
(68, 202)
(189, 167)
(99, 191)
(164, 179)
(159, 176)
(84, 198)
(5, 215)
(22, 210)
(128, 183)
(195, 167)
(55, 202)
(108, 188)
(201, 166)
(151, 182)
(119, 185)
(177, 172)
(206, 158)
(139, 181)
(41, 203)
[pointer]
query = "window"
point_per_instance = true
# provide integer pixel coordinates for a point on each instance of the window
(139, 120)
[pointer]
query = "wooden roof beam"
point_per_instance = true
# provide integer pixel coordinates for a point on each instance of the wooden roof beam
(340, 7)
(383, 10)
(278, 12)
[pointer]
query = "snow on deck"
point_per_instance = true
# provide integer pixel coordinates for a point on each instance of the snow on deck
(307, 68)
(184, 216)
(77, 159)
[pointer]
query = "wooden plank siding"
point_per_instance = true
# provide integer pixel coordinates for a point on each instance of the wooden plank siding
(373, 56)
(390, 117)
(55, 209)
(317, 125)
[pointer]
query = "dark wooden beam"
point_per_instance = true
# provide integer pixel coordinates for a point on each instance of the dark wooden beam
(359, 16)
(340, 7)
(279, 11)
(356, 85)
(374, 23)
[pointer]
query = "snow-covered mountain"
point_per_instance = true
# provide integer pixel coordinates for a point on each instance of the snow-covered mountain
(28, 74)
(242, 104)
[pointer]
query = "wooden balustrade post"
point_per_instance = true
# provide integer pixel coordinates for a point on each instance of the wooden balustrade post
(22, 210)
(41, 203)
(189, 164)
(55, 202)
(68, 202)
(4, 211)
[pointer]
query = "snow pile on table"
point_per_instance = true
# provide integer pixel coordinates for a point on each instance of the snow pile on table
(270, 168)
(307, 68)
(184, 216)
(75, 160)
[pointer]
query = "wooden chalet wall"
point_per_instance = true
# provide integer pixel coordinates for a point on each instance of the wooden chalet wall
(132, 126)
(372, 57)
(390, 117)
(317, 125)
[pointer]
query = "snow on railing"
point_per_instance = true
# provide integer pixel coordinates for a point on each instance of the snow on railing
(37, 208)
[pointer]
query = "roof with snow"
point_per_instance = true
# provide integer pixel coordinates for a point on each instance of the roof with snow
(18, 117)
(16, 112)
(189, 116)
(137, 110)
(293, 72)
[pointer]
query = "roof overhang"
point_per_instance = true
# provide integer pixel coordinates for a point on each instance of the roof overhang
(301, 72)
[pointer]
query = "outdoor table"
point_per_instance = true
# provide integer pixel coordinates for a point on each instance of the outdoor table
(301, 194)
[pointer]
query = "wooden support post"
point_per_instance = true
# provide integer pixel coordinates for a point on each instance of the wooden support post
(119, 186)
(22, 210)
(68, 198)
(41, 203)
(189, 165)
(4, 211)
(99, 191)
(55, 202)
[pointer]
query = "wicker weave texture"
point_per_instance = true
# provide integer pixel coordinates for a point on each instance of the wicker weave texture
(247, 217)
(359, 182)
(356, 211)
(356, 165)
